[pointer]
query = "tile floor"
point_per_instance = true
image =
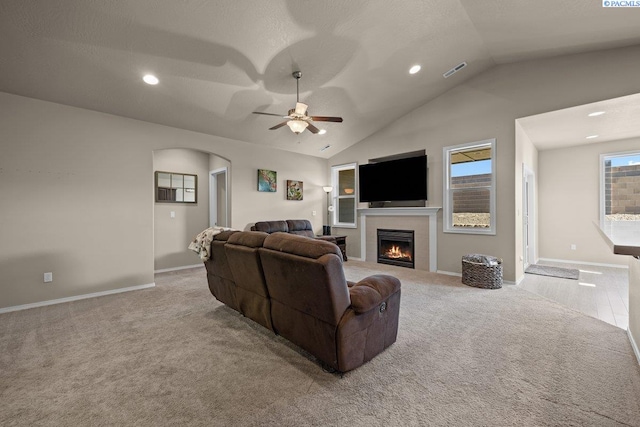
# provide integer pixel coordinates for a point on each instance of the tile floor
(600, 292)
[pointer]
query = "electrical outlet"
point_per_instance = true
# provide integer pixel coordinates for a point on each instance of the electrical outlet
(48, 277)
(173, 214)
(573, 247)
(313, 213)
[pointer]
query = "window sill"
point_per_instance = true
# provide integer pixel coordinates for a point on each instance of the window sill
(486, 232)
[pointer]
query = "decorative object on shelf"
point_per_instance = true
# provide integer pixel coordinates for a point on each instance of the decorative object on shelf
(326, 229)
(294, 190)
(267, 180)
(174, 187)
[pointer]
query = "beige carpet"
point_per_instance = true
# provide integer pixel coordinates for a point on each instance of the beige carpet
(173, 355)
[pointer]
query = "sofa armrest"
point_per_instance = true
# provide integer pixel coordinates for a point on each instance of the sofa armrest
(371, 291)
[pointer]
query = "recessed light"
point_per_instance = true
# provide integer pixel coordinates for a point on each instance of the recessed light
(414, 69)
(592, 136)
(150, 79)
(596, 113)
(322, 132)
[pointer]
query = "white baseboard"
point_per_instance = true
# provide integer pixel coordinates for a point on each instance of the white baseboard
(184, 267)
(353, 258)
(75, 298)
(599, 264)
(634, 346)
(449, 273)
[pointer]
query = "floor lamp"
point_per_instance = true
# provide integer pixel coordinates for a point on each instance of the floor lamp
(326, 229)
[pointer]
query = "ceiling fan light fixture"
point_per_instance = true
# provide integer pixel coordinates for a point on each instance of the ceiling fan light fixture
(298, 118)
(301, 108)
(297, 126)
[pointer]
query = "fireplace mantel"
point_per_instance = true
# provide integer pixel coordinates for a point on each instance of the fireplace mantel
(429, 212)
(419, 211)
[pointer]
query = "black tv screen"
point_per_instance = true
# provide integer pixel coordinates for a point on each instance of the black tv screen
(394, 180)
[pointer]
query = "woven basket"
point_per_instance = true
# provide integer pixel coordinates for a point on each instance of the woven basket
(476, 271)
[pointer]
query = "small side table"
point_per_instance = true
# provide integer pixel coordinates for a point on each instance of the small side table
(341, 241)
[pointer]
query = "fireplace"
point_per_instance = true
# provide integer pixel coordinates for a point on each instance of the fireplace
(395, 247)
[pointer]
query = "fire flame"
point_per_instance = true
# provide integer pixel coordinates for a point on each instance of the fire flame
(395, 252)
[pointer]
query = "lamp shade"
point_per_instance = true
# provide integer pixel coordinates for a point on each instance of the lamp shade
(327, 189)
(297, 126)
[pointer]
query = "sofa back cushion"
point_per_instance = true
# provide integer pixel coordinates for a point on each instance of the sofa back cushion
(271, 226)
(219, 275)
(306, 275)
(244, 262)
(301, 227)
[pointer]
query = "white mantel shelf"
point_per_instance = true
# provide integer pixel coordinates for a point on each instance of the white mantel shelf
(417, 211)
(430, 212)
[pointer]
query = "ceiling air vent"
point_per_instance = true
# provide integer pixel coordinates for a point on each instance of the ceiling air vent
(454, 69)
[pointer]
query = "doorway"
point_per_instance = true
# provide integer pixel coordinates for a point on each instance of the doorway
(528, 216)
(218, 198)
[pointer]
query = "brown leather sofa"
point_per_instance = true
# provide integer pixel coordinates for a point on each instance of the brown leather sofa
(300, 227)
(296, 287)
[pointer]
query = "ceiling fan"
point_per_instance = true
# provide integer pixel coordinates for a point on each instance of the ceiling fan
(298, 120)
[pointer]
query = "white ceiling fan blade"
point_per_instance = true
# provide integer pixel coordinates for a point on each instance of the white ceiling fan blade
(301, 108)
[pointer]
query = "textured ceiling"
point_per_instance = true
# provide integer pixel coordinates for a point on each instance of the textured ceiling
(571, 126)
(218, 61)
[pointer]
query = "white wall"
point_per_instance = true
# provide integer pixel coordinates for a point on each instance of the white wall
(77, 190)
(173, 234)
(217, 163)
(487, 106)
(526, 158)
(570, 202)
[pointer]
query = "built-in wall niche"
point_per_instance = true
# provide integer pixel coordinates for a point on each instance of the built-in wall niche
(173, 187)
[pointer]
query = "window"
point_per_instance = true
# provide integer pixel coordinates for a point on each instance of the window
(343, 181)
(620, 186)
(470, 188)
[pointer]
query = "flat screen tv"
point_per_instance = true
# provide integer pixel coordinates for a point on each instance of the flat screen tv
(394, 180)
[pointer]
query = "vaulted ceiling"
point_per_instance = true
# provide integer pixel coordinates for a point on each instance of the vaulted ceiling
(220, 60)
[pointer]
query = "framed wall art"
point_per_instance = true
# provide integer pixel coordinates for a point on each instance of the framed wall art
(267, 180)
(294, 190)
